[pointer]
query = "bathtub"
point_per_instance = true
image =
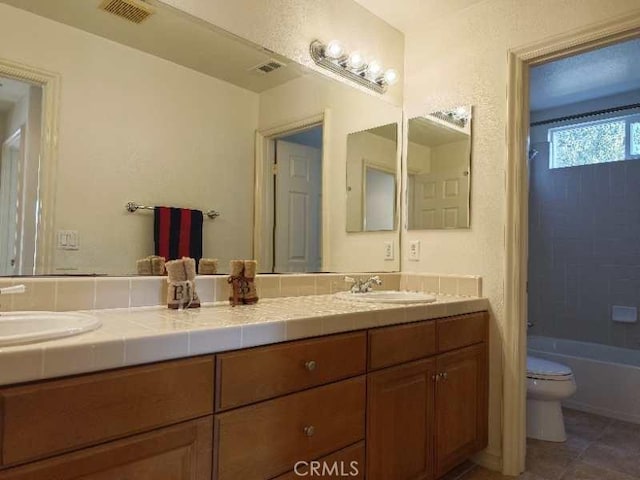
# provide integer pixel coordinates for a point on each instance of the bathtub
(608, 378)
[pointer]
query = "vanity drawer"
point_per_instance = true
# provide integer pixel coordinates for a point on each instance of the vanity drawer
(249, 376)
(53, 417)
(182, 451)
(267, 439)
(348, 462)
(399, 344)
(462, 331)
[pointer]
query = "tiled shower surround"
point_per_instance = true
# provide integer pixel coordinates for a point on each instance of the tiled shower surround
(584, 252)
(86, 293)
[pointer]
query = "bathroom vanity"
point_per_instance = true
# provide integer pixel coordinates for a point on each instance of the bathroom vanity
(404, 401)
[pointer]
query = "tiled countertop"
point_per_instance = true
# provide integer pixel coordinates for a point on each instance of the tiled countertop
(144, 335)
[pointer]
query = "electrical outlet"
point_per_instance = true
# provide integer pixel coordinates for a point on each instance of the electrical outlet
(68, 240)
(414, 250)
(388, 250)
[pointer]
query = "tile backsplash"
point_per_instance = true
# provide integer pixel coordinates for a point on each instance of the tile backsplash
(62, 294)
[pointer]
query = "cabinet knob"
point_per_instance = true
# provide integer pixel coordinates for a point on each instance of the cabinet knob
(444, 375)
(309, 430)
(310, 365)
(435, 377)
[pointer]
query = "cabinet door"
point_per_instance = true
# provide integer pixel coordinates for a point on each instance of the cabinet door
(181, 452)
(400, 422)
(461, 406)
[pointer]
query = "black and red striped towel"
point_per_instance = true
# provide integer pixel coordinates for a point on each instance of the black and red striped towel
(178, 233)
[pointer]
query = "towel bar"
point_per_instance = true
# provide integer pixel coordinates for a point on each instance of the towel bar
(132, 207)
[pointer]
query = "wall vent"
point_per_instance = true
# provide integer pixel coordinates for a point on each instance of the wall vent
(133, 10)
(268, 67)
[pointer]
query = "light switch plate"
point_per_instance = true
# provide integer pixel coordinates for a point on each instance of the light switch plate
(414, 250)
(67, 240)
(388, 251)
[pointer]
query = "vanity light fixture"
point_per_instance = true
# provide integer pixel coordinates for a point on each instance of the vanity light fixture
(459, 116)
(353, 66)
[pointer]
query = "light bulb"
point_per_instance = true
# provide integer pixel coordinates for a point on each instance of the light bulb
(334, 49)
(460, 112)
(390, 76)
(355, 61)
(374, 69)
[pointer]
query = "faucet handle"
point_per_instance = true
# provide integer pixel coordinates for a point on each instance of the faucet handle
(13, 290)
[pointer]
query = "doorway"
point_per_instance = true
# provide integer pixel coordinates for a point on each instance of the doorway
(520, 62)
(20, 138)
(11, 161)
(288, 232)
(297, 207)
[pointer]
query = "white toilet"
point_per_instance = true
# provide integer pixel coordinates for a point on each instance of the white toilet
(548, 383)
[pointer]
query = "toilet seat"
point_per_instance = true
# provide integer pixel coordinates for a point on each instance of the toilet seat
(541, 369)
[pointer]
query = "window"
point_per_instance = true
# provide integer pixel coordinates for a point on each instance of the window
(635, 138)
(603, 141)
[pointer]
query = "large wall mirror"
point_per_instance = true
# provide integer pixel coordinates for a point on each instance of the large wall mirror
(439, 170)
(372, 173)
(171, 112)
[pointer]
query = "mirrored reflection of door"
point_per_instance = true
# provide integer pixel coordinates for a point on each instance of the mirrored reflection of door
(297, 208)
(441, 200)
(372, 163)
(9, 218)
(380, 198)
(439, 170)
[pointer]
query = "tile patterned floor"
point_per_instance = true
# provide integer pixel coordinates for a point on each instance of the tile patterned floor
(597, 448)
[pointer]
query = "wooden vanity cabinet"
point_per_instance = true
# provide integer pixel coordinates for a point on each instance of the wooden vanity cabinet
(426, 417)
(461, 406)
(405, 402)
(179, 452)
(400, 410)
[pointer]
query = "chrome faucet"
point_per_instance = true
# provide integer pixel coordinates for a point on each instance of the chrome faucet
(17, 289)
(363, 286)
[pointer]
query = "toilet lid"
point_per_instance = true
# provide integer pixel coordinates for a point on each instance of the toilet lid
(546, 369)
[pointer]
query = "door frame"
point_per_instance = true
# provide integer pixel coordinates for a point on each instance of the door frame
(594, 36)
(19, 135)
(48, 162)
(264, 153)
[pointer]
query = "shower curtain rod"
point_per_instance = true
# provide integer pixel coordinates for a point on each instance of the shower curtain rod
(585, 115)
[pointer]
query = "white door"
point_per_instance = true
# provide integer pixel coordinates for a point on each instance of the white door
(298, 217)
(9, 218)
(441, 200)
(380, 199)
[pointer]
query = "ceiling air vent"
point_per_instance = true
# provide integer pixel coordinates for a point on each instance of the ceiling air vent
(268, 67)
(133, 10)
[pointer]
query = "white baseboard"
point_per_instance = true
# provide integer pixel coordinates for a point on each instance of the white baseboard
(605, 412)
(488, 460)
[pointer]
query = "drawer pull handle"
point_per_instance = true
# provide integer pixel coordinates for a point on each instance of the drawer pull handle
(309, 430)
(310, 365)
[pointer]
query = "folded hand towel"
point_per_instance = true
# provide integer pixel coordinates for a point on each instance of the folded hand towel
(151, 265)
(178, 233)
(237, 282)
(143, 266)
(208, 266)
(251, 295)
(181, 291)
(157, 265)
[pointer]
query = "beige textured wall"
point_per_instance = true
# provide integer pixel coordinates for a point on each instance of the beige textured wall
(137, 128)
(287, 27)
(343, 252)
(460, 60)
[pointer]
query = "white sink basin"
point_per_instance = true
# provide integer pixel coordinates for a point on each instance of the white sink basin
(388, 296)
(18, 328)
